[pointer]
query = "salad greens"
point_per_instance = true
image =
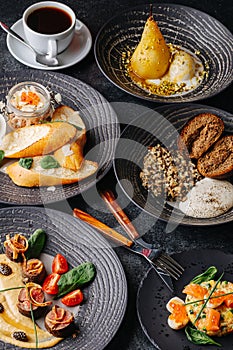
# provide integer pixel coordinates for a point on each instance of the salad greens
(76, 278)
(36, 244)
(198, 337)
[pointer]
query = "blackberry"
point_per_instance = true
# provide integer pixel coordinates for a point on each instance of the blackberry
(19, 335)
(5, 269)
(1, 308)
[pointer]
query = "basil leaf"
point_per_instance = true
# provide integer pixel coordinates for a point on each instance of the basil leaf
(26, 162)
(199, 337)
(49, 162)
(2, 155)
(76, 278)
(36, 244)
(206, 276)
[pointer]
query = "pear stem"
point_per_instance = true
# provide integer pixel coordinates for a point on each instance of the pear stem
(151, 10)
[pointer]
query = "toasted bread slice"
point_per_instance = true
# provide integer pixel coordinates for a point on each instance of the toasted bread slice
(37, 176)
(36, 140)
(200, 133)
(67, 114)
(70, 156)
(218, 161)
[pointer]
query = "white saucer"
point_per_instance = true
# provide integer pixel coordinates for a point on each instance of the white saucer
(78, 49)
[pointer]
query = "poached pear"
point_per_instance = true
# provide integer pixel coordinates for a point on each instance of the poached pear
(151, 57)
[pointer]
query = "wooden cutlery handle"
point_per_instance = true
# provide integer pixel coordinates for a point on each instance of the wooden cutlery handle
(119, 214)
(106, 230)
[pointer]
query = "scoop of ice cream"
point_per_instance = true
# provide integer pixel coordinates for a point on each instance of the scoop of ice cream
(209, 198)
(182, 67)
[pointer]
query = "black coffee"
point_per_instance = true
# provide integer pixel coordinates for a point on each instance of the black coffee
(49, 20)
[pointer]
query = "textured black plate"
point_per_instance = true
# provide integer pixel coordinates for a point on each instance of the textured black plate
(101, 315)
(153, 296)
(147, 130)
(180, 25)
(102, 134)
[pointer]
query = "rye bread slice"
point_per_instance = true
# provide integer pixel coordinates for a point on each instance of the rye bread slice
(218, 161)
(200, 133)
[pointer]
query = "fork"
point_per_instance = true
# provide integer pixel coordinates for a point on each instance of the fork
(163, 267)
(162, 260)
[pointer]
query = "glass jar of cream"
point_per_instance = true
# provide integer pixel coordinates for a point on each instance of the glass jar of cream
(28, 103)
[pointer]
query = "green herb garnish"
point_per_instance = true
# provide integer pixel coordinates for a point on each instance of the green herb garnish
(76, 126)
(36, 244)
(206, 276)
(34, 325)
(201, 300)
(62, 121)
(49, 162)
(5, 290)
(2, 155)
(26, 163)
(207, 299)
(76, 278)
(198, 337)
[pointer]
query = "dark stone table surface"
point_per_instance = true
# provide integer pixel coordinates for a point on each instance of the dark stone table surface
(94, 14)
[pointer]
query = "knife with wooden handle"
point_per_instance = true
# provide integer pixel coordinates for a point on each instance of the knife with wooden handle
(106, 230)
(119, 214)
(151, 255)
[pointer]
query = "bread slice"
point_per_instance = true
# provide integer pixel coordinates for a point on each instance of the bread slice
(218, 161)
(37, 176)
(70, 156)
(67, 114)
(200, 133)
(36, 140)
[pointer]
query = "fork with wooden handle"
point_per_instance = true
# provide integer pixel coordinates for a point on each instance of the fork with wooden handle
(151, 255)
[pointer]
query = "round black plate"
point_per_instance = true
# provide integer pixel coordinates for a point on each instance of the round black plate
(180, 25)
(153, 296)
(102, 134)
(100, 316)
(159, 126)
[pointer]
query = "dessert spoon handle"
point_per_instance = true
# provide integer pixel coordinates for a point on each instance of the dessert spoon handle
(14, 34)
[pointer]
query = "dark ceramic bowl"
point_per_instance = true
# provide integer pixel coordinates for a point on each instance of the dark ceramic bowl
(159, 126)
(180, 25)
(100, 316)
(102, 128)
(153, 296)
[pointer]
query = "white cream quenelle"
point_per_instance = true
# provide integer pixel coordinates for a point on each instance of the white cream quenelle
(209, 198)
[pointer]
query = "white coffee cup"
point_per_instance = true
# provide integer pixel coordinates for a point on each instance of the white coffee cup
(49, 43)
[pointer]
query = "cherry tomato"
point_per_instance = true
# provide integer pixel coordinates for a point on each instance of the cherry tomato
(50, 284)
(60, 264)
(73, 298)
